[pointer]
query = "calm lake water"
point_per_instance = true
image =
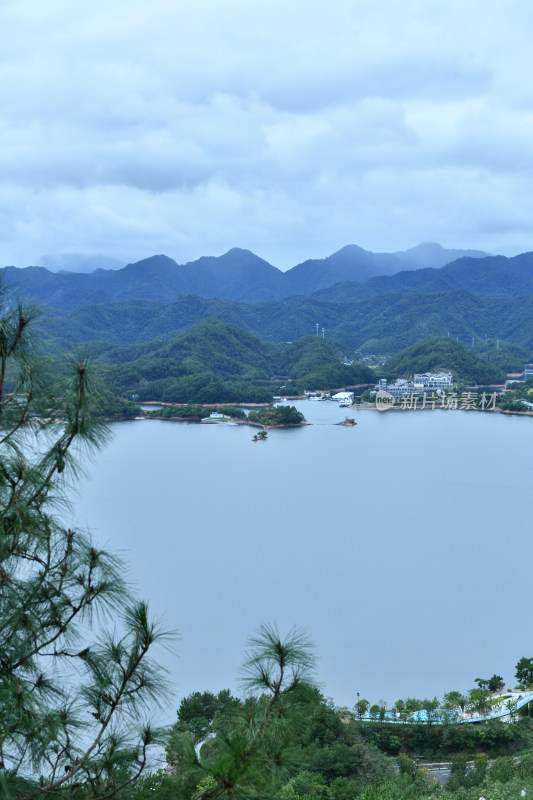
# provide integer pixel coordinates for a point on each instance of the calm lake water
(402, 545)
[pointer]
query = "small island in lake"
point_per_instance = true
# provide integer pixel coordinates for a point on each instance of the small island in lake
(277, 417)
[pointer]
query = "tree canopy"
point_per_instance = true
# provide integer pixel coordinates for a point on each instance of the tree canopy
(77, 682)
(524, 671)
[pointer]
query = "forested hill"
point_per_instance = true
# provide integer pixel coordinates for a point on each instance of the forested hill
(436, 354)
(386, 323)
(237, 275)
(217, 362)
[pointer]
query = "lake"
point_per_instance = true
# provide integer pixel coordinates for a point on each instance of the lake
(402, 545)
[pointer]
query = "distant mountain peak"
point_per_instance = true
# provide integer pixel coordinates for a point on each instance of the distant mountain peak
(241, 255)
(349, 249)
(433, 254)
(240, 251)
(425, 248)
(160, 260)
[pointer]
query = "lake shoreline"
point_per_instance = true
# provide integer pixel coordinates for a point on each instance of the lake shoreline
(508, 412)
(207, 421)
(354, 408)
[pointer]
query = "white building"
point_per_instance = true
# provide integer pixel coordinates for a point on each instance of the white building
(342, 396)
(401, 387)
(433, 380)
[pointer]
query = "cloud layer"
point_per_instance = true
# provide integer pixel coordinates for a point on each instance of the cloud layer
(288, 128)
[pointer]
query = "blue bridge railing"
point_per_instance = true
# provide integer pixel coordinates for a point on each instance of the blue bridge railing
(509, 705)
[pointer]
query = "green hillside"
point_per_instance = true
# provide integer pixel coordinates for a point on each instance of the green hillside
(436, 354)
(386, 323)
(218, 362)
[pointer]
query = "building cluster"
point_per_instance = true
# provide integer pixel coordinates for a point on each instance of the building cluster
(421, 382)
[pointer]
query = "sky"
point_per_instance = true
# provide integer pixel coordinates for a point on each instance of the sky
(287, 127)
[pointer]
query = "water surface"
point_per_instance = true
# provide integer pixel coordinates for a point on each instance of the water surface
(403, 545)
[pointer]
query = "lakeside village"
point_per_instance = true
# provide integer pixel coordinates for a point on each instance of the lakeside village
(431, 390)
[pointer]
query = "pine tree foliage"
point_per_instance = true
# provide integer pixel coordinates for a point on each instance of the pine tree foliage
(246, 757)
(76, 677)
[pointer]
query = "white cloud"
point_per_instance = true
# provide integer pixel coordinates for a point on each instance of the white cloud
(288, 128)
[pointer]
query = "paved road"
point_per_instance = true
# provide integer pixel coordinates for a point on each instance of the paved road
(441, 775)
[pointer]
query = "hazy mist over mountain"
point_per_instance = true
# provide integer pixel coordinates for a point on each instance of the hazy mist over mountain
(431, 254)
(78, 262)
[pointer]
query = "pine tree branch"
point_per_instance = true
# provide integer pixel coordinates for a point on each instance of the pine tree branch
(113, 703)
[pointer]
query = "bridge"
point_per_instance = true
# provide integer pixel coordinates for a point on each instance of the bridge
(505, 704)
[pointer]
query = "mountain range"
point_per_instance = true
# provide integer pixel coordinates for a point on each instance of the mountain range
(365, 301)
(237, 275)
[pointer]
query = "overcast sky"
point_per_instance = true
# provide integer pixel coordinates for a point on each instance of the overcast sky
(289, 127)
